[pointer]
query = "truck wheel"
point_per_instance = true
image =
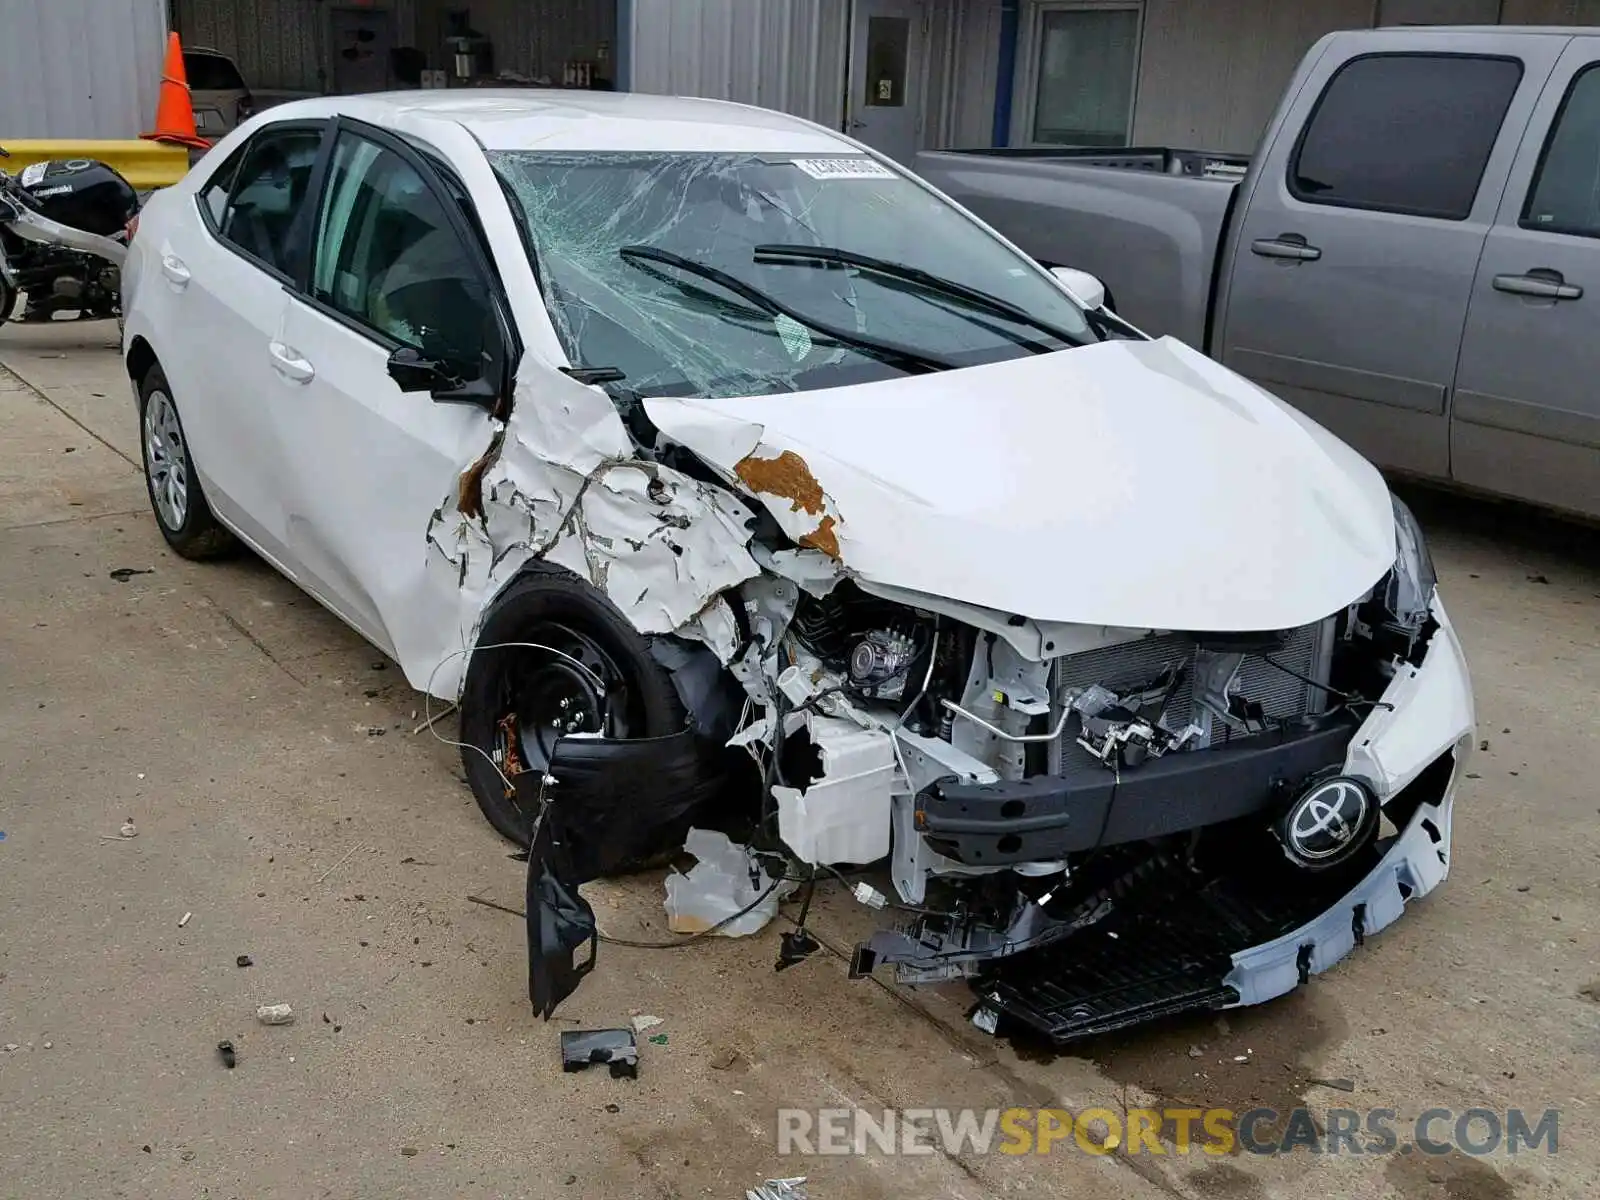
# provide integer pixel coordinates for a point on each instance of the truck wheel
(176, 497)
(517, 700)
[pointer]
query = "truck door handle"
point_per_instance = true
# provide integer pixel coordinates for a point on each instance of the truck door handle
(1541, 282)
(178, 274)
(286, 361)
(1285, 245)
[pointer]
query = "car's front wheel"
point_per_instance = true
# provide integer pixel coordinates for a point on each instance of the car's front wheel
(554, 658)
(176, 497)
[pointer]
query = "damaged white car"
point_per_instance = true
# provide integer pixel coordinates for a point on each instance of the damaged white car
(715, 465)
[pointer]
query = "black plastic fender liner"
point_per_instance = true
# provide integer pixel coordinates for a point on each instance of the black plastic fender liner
(560, 928)
(611, 802)
(614, 802)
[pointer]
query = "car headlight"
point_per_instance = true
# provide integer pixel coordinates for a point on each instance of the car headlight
(1409, 587)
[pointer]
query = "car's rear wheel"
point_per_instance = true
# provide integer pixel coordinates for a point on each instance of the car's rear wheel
(176, 497)
(554, 657)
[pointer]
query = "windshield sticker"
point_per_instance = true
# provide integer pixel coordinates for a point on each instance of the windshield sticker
(843, 168)
(796, 337)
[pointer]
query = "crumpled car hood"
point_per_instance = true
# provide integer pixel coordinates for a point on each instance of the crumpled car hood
(1136, 484)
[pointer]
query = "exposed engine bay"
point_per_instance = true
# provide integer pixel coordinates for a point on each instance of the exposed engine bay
(1032, 786)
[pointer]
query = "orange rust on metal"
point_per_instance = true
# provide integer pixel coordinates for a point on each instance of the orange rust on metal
(786, 476)
(823, 538)
(469, 497)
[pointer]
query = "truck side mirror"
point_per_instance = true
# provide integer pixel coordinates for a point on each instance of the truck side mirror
(1083, 287)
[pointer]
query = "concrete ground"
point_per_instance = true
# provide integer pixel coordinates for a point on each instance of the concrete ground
(236, 724)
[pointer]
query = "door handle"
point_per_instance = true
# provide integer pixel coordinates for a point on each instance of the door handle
(286, 361)
(1286, 245)
(1541, 282)
(177, 274)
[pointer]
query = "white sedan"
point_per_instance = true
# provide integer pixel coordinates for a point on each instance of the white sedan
(720, 469)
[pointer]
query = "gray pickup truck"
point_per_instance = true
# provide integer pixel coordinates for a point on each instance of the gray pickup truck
(1412, 256)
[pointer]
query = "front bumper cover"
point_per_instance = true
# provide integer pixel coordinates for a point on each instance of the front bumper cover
(1184, 943)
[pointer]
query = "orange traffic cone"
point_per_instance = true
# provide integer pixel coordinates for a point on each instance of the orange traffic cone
(174, 108)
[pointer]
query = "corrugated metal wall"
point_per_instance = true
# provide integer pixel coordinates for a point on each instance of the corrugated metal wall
(783, 54)
(1202, 87)
(280, 44)
(535, 37)
(969, 111)
(80, 68)
(1550, 12)
(276, 43)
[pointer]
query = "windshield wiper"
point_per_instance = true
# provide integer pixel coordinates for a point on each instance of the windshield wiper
(904, 356)
(777, 255)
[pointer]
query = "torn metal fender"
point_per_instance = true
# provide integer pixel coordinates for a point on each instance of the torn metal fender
(772, 470)
(561, 482)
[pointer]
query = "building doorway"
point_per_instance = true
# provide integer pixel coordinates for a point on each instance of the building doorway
(883, 107)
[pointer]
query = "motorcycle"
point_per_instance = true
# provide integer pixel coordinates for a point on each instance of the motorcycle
(64, 230)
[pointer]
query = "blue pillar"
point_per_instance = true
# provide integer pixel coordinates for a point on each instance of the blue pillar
(1006, 74)
(622, 51)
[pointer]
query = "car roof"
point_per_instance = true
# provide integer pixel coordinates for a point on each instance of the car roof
(560, 119)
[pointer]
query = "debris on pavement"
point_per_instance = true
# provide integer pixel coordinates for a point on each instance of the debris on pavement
(779, 1189)
(184, 920)
(123, 574)
(1338, 1085)
(244, 960)
(585, 1048)
(644, 1021)
(658, 1039)
(728, 1060)
(275, 1014)
(10, 1047)
(717, 887)
(129, 829)
(229, 1059)
(348, 856)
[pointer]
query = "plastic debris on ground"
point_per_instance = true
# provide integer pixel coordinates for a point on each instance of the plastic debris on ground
(616, 1048)
(275, 1014)
(229, 1059)
(645, 1021)
(723, 881)
(779, 1189)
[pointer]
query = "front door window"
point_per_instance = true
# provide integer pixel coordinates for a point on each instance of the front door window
(389, 259)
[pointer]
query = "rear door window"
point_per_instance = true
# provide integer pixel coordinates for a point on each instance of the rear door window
(267, 195)
(212, 73)
(1405, 133)
(1565, 197)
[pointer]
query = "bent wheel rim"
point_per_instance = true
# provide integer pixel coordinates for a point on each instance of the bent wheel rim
(166, 461)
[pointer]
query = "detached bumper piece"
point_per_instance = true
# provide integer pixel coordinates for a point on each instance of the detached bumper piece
(1207, 934)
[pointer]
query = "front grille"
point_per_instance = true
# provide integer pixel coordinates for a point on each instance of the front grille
(1135, 663)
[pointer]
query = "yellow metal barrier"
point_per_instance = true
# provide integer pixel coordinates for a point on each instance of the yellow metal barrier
(146, 165)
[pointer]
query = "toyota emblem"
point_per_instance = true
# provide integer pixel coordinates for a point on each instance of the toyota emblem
(1328, 823)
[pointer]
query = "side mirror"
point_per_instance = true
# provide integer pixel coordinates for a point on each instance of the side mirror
(1083, 287)
(414, 373)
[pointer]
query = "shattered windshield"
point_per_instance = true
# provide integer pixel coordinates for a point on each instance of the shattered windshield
(736, 275)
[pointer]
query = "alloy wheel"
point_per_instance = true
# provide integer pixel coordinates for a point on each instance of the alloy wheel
(166, 460)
